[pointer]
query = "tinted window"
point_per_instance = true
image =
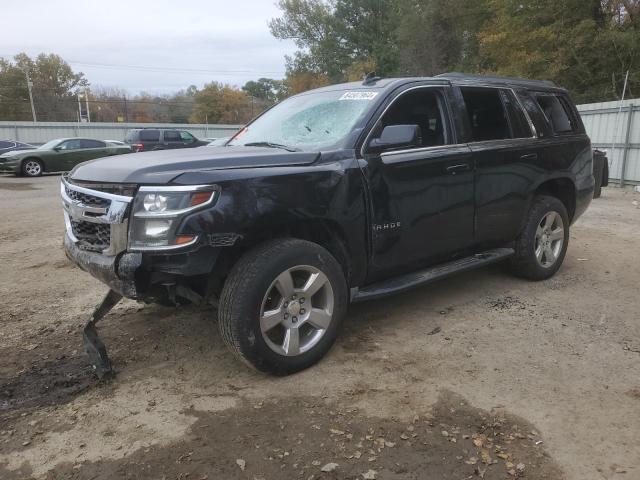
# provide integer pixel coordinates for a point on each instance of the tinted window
(421, 107)
(520, 127)
(187, 137)
(70, 145)
(6, 144)
(150, 135)
(92, 144)
(556, 113)
(487, 115)
(171, 136)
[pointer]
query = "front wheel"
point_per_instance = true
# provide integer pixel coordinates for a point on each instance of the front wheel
(32, 167)
(542, 244)
(282, 304)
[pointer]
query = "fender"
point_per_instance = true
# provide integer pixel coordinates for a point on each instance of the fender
(259, 203)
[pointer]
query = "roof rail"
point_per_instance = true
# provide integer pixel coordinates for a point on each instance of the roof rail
(370, 78)
(495, 78)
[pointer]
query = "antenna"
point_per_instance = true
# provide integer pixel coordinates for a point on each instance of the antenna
(370, 78)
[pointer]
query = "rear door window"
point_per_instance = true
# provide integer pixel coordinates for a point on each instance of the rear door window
(520, 127)
(171, 136)
(557, 114)
(487, 115)
(92, 144)
(150, 135)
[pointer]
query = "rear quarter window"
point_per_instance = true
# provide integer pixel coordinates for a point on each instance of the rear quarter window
(150, 135)
(557, 113)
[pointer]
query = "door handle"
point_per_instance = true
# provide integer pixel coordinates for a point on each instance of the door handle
(453, 169)
(529, 156)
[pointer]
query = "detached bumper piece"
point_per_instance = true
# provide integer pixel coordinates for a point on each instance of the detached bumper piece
(96, 351)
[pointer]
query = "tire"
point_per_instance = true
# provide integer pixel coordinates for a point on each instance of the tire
(526, 263)
(31, 167)
(597, 176)
(597, 191)
(265, 292)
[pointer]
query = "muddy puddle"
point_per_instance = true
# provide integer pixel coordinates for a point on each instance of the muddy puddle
(306, 438)
(46, 383)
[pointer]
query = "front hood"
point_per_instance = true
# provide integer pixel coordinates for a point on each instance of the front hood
(162, 166)
(19, 153)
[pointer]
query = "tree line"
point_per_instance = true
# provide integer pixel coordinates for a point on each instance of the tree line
(59, 95)
(586, 46)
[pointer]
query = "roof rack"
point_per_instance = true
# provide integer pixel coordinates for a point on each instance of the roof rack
(370, 78)
(498, 79)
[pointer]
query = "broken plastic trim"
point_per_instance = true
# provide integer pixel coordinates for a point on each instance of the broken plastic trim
(96, 350)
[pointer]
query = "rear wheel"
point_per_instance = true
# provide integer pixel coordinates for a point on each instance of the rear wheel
(282, 304)
(32, 167)
(542, 245)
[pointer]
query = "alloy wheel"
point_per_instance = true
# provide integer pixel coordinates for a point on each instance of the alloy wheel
(549, 239)
(32, 168)
(297, 310)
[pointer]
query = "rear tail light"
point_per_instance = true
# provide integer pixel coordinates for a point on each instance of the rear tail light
(138, 147)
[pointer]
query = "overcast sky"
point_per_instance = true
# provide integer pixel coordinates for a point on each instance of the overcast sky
(196, 41)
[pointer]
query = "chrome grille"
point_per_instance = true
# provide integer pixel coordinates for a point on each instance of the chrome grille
(92, 236)
(85, 199)
(96, 220)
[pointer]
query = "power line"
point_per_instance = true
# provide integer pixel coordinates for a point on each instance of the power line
(152, 68)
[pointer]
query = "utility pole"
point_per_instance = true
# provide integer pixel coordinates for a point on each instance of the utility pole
(29, 86)
(86, 98)
(79, 107)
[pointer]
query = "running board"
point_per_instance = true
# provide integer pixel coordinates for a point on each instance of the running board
(415, 279)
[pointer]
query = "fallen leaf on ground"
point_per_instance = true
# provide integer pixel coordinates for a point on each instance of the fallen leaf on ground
(329, 467)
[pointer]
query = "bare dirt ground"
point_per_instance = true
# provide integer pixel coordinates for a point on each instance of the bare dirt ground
(480, 376)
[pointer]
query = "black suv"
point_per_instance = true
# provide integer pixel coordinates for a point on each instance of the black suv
(342, 194)
(145, 139)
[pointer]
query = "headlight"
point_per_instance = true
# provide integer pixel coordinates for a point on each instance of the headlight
(157, 212)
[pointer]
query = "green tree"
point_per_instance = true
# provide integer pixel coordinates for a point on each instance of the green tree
(218, 103)
(268, 90)
(584, 45)
(55, 86)
(333, 35)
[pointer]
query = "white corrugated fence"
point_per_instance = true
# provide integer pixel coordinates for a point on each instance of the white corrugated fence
(41, 132)
(614, 127)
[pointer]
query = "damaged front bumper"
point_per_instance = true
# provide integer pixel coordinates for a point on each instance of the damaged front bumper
(117, 272)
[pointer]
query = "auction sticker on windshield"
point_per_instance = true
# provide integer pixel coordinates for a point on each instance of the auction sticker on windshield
(358, 96)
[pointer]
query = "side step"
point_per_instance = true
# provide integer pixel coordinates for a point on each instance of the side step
(415, 279)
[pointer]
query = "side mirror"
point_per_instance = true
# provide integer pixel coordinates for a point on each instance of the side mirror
(397, 136)
(57, 149)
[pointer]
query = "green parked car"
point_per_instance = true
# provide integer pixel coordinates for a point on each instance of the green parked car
(59, 155)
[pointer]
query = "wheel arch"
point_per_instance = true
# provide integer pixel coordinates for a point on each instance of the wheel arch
(562, 188)
(323, 232)
(33, 157)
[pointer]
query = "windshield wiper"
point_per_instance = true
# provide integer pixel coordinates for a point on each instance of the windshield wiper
(271, 145)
